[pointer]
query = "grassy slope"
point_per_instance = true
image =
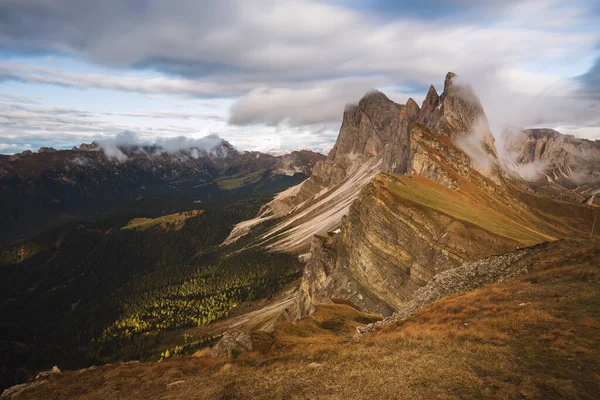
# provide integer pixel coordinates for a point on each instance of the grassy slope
(536, 336)
(457, 204)
(176, 219)
(530, 222)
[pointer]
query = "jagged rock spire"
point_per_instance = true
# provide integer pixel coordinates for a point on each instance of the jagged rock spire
(432, 100)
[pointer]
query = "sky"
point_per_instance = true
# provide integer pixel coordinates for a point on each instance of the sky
(275, 75)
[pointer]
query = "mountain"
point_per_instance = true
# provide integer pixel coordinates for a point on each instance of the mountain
(45, 189)
(441, 200)
(378, 135)
(406, 193)
(544, 157)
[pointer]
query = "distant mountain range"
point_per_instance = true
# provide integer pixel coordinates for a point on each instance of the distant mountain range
(546, 159)
(45, 189)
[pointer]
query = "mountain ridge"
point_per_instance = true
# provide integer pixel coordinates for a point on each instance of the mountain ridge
(47, 188)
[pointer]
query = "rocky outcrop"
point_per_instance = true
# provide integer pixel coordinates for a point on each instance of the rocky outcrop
(233, 343)
(94, 146)
(17, 390)
(387, 248)
(47, 150)
(44, 374)
(297, 162)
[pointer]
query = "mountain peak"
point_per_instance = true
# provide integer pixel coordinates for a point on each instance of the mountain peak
(371, 97)
(432, 100)
(448, 81)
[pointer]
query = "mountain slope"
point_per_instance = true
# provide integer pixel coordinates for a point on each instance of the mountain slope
(536, 335)
(442, 200)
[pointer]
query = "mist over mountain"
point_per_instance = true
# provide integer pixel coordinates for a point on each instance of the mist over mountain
(545, 156)
(50, 187)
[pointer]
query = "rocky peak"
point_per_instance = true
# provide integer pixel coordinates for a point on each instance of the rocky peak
(366, 128)
(448, 84)
(432, 100)
(378, 135)
(463, 119)
(297, 162)
(22, 154)
(94, 146)
(47, 150)
(411, 109)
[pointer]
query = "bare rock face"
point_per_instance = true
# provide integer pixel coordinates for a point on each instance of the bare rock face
(387, 248)
(467, 277)
(94, 146)
(232, 343)
(17, 390)
(20, 155)
(366, 128)
(297, 162)
(547, 158)
(44, 374)
(47, 150)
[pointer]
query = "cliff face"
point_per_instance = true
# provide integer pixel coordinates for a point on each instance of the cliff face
(297, 162)
(387, 248)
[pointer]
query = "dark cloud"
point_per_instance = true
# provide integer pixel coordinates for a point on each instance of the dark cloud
(590, 81)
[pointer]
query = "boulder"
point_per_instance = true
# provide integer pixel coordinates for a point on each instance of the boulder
(232, 344)
(45, 374)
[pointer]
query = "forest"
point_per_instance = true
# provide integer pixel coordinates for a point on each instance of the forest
(96, 292)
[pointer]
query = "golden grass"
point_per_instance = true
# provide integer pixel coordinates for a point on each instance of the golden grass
(462, 205)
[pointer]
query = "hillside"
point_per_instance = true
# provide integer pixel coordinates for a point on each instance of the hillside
(536, 335)
(119, 288)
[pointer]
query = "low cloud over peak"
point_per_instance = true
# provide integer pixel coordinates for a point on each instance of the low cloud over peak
(116, 147)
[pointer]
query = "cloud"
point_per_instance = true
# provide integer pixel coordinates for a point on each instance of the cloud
(514, 99)
(127, 141)
(590, 81)
(473, 145)
(266, 41)
(293, 65)
(113, 147)
(320, 102)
